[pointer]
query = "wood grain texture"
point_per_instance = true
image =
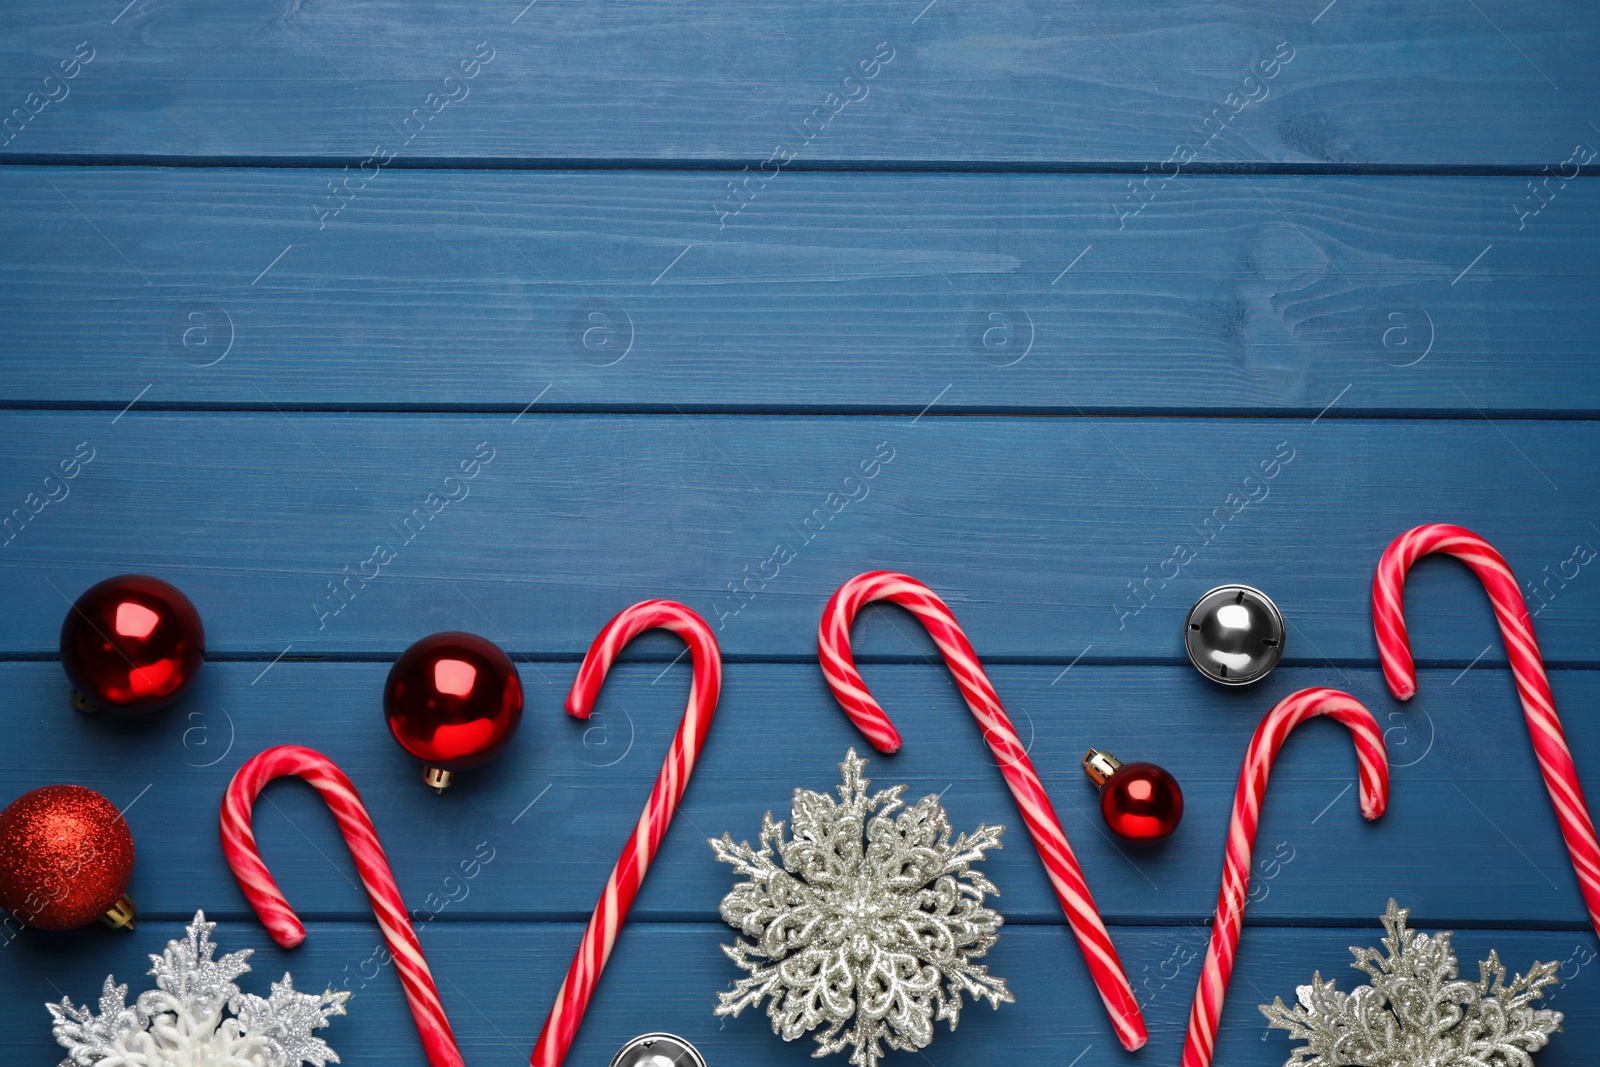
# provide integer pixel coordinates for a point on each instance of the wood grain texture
(844, 293)
(1045, 535)
(496, 980)
(543, 823)
(1427, 83)
(1040, 316)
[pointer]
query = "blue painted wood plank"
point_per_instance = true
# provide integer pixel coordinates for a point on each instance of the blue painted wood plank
(1431, 82)
(1046, 535)
(497, 982)
(539, 830)
(844, 293)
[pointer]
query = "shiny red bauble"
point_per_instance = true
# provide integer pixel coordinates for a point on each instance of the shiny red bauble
(65, 859)
(453, 700)
(1139, 801)
(131, 644)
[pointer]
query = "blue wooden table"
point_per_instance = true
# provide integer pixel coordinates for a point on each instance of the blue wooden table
(1075, 269)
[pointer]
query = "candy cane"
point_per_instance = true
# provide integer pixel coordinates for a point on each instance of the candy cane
(239, 846)
(626, 877)
(839, 668)
(1290, 712)
(1527, 667)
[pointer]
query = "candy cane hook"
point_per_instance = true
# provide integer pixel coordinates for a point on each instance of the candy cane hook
(839, 668)
(239, 846)
(623, 885)
(1527, 667)
(1290, 712)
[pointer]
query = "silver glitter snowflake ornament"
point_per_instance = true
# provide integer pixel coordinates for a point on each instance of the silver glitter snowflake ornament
(867, 928)
(1417, 1012)
(180, 1023)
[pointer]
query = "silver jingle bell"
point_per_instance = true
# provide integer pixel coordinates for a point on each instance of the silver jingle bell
(1234, 635)
(658, 1050)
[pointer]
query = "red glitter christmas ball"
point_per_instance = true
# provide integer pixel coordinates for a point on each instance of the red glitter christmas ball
(65, 859)
(131, 644)
(1139, 801)
(453, 700)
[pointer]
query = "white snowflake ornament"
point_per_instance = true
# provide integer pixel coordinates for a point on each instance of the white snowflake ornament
(868, 928)
(180, 1023)
(1417, 1012)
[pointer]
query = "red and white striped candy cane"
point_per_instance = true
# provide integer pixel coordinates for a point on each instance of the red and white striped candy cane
(1527, 667)
(239, 846)
(623, 885)
(839, 668)
(1290, 712)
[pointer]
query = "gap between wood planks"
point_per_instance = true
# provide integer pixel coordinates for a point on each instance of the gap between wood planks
(818, 166)
(892, 411)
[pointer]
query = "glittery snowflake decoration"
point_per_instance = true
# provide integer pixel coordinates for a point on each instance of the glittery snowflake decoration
(180, 1023)
(1417, 1012)
(868, 927)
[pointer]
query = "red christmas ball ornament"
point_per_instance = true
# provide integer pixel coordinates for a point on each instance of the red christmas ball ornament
(65, 859)
(1139, 801)
(453, 700)
(131, 644)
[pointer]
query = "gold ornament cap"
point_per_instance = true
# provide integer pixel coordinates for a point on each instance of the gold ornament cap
(120, 915)
(437, 779)
(1100, 766)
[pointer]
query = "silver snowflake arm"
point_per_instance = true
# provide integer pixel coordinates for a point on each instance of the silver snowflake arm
(1503, 1027)
(970, 848)
(747, 992)
(977, 982)
(189, 976)
(1339, 1029)
(90, 1038)
(286, 1020)
(1417, 1012)
(748, 862)
(770, 905)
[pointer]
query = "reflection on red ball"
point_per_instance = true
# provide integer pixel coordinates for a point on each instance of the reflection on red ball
(453, 700)
(132, 644)
(65, 857)
(1141, 801)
